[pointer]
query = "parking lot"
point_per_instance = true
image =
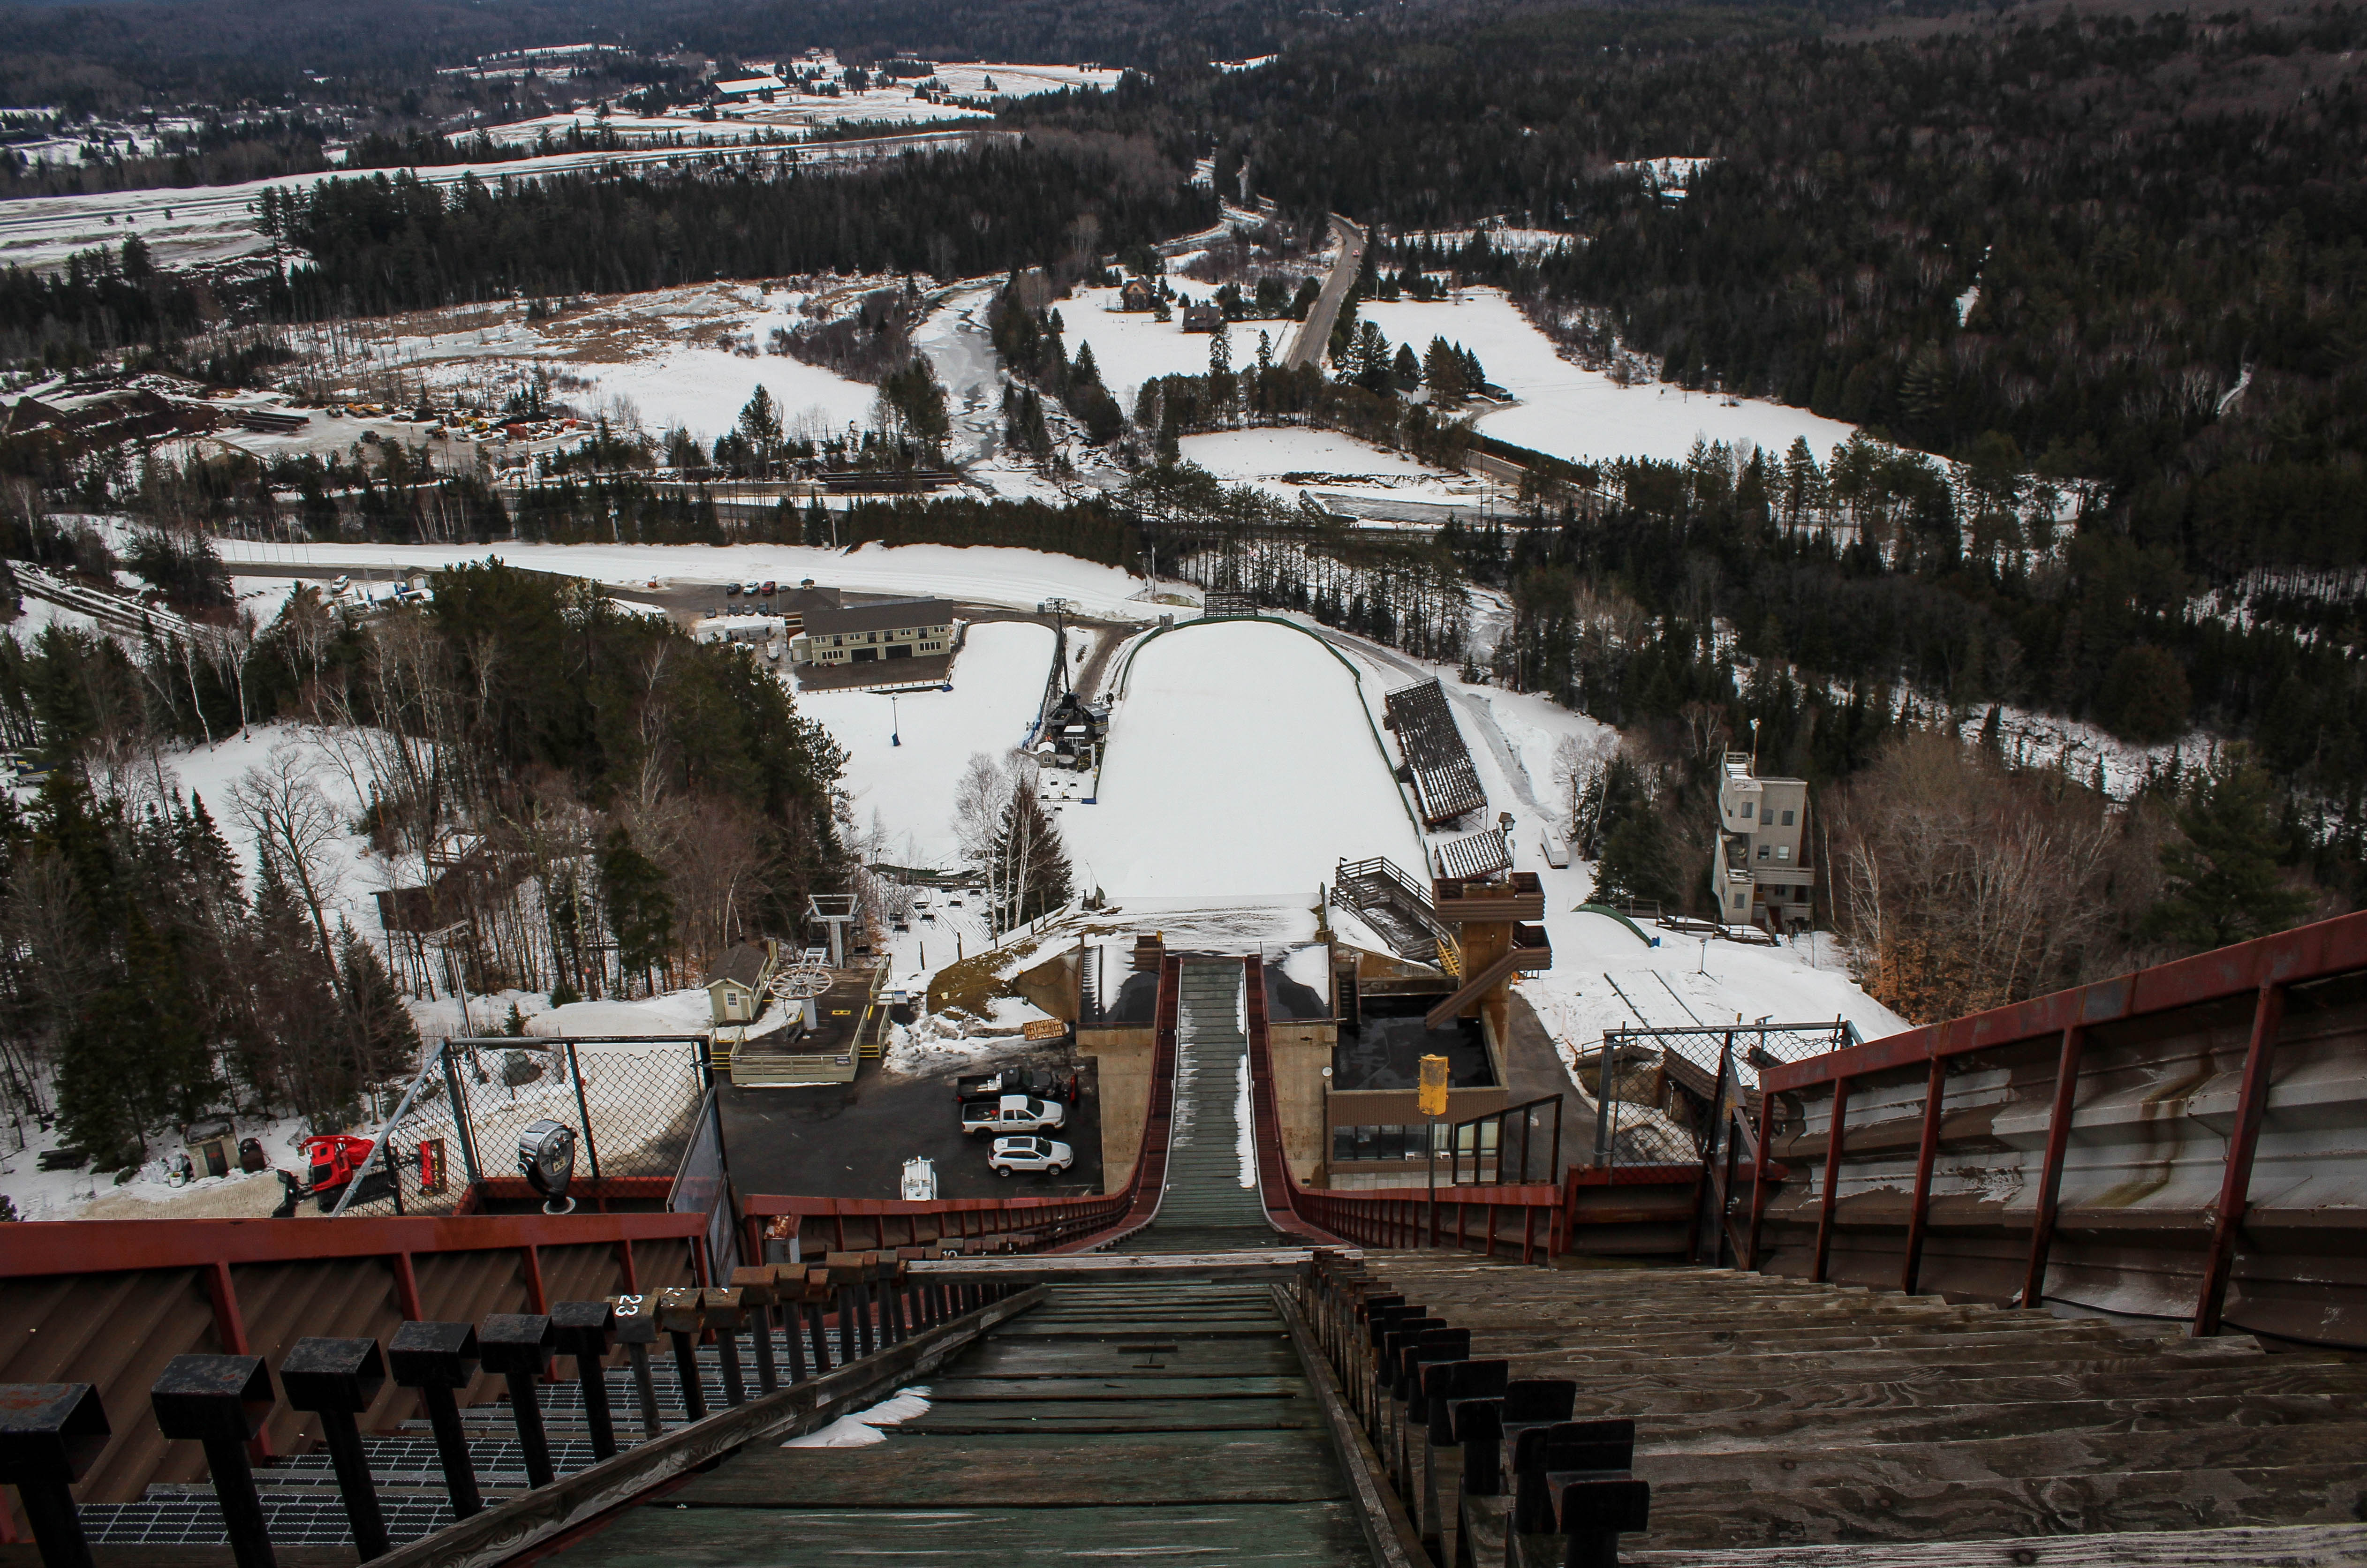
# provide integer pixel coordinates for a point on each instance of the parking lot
(852, 1140)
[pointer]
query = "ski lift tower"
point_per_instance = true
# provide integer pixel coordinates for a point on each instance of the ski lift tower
(835, 910)
(1060, 609)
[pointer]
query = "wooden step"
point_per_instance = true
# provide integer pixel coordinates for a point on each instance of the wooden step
(2038, 1454)
(2157, 1379)
(1039, 1470)
(1873, 1509)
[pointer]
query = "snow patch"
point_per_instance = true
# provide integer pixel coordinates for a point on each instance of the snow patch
(1244, 1120)
(861, 1429)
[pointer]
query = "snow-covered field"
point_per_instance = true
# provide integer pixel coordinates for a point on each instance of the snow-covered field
(1581, 414)
(689, 357)
(981, 574)
(1241, 761)
(997, 679)
(1135, 346)
(1286, 462)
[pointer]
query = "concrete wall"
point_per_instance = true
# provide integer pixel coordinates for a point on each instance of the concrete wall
(1123, 1056)
(1051, 985)
(1301, 1052)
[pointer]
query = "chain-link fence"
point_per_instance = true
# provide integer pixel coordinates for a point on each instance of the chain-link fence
(1659, 1088)
(633, 1104)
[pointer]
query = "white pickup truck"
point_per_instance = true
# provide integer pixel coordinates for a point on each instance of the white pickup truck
(1012, 1113)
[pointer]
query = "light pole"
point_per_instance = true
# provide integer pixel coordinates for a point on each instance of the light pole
(895, 731)
(1432, 1102)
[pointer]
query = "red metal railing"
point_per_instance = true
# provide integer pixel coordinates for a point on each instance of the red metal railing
(855, 1224)
(2260, 971)
(1392, 1216)
(1031, 1225)
(98, 1247)
(110, 1302)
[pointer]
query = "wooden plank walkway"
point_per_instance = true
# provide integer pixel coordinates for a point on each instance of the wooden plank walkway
(1828, 1424)
(1168, 1420)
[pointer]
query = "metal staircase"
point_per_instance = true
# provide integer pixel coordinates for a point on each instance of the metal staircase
(1395, 905)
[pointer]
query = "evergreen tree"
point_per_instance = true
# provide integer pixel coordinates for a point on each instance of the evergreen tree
(385, 1039)
(139, 1058)
(640, 908)
(2221, 883)
(1368, 361)
(1030, 865)
(760, 425)
(285, 1051)
(1638, 863)
(1405, 371)
(2145, 696)
(1441, 372)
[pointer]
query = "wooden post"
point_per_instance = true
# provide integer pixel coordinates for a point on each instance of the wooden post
(2243, 1140)
(1927, 1155)
(337, 1380)
(2050, 1178)
(1832, 1177)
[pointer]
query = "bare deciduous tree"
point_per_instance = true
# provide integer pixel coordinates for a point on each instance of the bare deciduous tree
(297, 830)
(1967, 886)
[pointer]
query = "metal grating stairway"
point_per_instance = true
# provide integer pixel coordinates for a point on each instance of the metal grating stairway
(299, 1498)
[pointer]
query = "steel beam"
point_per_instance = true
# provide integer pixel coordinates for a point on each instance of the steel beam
(2243, 1140)
(2050, 1175)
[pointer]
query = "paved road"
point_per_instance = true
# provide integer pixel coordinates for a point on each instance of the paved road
(1315, 332)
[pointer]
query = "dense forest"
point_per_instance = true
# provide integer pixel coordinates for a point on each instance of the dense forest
(577, 749)
(385, 243)
(2082, 235)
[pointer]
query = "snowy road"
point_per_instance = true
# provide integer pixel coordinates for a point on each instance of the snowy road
(1314, 334)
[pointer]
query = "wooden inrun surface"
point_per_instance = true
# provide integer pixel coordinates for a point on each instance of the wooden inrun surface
(1171, 1420)
(1775, 1416)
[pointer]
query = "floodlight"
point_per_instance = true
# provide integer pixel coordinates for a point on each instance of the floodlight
(546, 1157)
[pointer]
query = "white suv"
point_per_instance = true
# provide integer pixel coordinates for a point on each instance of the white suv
(1030, 1154)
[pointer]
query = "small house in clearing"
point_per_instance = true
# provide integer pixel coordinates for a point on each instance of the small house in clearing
(1202, 317)
(735, 987)
(1139, 294)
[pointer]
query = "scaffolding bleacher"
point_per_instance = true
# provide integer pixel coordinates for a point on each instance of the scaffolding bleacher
(1444, 782)
(1474, 856)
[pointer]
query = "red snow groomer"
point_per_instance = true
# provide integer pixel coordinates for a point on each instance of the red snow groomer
(332, 1161)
